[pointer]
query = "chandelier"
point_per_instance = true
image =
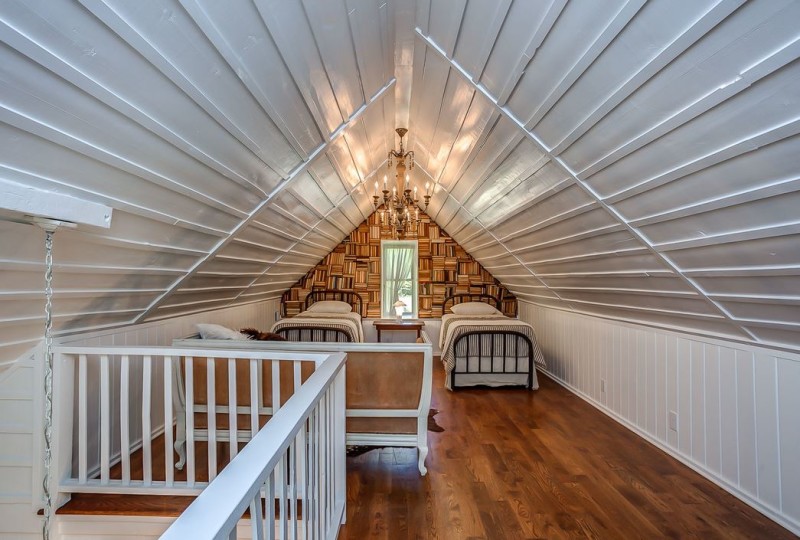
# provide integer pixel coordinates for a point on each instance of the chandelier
(398, 207)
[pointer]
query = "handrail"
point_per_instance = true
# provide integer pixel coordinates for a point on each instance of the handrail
(219, 507)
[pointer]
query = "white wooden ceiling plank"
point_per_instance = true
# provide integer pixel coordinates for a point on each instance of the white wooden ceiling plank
(743, 197)
(630, 261)
(292, 207)
(306, 190)
(736, 236)
(178, 48)
(602, 245)
(616, 282)
(620, 20)
(523, 163)
(329, 23)
(779, 251)
(551, 208)
(477, 36)
(766, 168)
(242, 40)
(324, 174)
(757, 286)
(524, 26)
(525, 196)
(579, 33)
(265, 237)
(455, 105)
(680, 92)
(22, 200)
(288, 27)
(546, 238)
(445, 22)
(366, 28)
(95, 64)
(655, 19)
(503, 140)
(428, 97)
(759, 218)
(225, 196)
(650, 301)
(544, 23)
(763, 116)
(476, 127)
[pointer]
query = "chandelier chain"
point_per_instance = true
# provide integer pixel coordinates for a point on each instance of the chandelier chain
(48, 383)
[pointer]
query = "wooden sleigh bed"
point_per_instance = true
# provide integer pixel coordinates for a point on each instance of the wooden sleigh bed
(482, 347)
(318, 325)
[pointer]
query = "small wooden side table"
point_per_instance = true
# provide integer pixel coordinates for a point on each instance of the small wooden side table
(388, 324)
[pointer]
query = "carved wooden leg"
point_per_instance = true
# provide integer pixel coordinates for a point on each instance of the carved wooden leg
(423, 453)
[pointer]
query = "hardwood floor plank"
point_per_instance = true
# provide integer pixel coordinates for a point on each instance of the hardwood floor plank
(545, 464)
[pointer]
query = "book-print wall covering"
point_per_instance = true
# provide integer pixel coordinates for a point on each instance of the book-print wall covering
(355, 265)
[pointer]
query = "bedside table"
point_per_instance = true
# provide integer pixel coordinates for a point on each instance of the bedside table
(392, 325)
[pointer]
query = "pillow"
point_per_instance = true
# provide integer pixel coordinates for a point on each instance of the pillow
(216, 331)
(474, 308)
(330, 306)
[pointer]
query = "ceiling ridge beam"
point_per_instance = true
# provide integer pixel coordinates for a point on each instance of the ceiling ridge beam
(300, 169)
(666, 261)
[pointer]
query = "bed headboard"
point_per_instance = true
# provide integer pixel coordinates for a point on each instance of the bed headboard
(352, 298)
(450, 301)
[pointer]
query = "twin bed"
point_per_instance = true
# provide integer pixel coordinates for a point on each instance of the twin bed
(480, 346)
(329, 316)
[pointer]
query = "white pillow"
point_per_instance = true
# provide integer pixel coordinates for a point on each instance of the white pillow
(216, 331)
(474, 308)
(330, 306)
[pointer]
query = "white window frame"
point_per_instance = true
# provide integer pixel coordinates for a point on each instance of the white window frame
(385, 244)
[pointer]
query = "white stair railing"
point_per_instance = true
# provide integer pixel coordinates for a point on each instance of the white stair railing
(306, 434)
(112, 403)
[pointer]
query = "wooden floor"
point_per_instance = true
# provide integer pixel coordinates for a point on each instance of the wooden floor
(544, 464)
(517, 464)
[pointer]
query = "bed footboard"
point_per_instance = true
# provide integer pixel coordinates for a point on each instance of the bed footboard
(314, 334)
(500, 352)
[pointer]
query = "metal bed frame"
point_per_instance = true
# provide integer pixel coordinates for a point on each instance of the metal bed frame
(317, 334)
(473, 344)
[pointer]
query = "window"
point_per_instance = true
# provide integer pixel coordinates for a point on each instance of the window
(399, 277)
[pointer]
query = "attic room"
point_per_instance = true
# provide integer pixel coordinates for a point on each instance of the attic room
(399, 268)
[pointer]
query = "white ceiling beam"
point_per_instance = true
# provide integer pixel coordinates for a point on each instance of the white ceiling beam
(666, 261)
(300, 169)
(29, 201)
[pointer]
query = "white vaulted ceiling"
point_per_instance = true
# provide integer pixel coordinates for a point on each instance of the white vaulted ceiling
(637, 160)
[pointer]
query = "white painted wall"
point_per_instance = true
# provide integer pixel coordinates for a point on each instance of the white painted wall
(20, 406)
(737, 406)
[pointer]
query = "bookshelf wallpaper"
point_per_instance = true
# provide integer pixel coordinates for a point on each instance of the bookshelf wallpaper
(445, 268)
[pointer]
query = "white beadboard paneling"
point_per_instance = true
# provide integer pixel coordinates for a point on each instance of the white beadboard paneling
(789, 428)
(729, 420)
(767, 436)
(737, 405)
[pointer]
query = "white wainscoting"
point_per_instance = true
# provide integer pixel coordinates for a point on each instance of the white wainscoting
(737, 407)
(21, 405)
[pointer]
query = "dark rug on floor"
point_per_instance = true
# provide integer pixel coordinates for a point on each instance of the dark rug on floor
(353, 451)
